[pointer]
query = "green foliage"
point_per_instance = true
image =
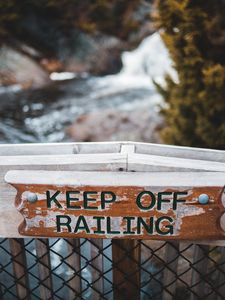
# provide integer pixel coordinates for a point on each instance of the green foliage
(111, 17)
(194, 33)
(8, 15)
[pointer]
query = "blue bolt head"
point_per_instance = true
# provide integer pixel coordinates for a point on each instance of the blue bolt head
(203, 199)
(32, 197)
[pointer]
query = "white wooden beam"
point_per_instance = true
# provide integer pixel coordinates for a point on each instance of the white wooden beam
(156, 163)
(153, 179)
(105, 157)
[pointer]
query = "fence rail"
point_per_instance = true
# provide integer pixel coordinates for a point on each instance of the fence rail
(101, 269)
(58, 268)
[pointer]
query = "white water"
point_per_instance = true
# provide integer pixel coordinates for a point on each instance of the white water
(149, 61)
(45, 118)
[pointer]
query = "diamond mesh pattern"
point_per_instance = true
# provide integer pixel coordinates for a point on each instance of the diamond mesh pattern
(105, 269)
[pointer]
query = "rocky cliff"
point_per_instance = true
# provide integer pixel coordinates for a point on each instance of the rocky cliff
(77, 36)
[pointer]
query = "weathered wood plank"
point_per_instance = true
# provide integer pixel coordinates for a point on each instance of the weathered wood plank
(97, 268)
(188, 219)
(180, 152)
(36, 149)
(126, 269)
(170, 272)
(44, 268)
(19, 263)
(156, 163)
(60, 151)
(127, 148)
(112, 147)
(7, 196)
(117, 179)
(59, 148)
(82, 162)
(97, 163)
(74, 265)
(101, 147)
(126, 259)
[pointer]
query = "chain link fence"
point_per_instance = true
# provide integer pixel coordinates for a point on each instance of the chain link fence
(110, 269)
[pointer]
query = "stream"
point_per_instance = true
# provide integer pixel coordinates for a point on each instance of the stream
(42, 115)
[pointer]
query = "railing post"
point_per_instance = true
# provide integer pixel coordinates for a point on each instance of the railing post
(126, 269)
(200, 264)
(97, 268)
(169, 275)
(44, 268)
(74, 264)
(17, 249)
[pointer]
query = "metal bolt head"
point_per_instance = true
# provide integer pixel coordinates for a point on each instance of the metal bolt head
(203, 199)
(32, 197)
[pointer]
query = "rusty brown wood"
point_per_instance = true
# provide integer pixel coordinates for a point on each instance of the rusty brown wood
(170, 272)
(189, 220)
(44, 268)
(126, 269)
(74, 265)
(199, 269)
(97, 157)
(97, 268)
(19, 262)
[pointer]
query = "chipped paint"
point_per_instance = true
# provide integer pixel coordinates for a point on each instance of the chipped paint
(189, 218)
(183, 212)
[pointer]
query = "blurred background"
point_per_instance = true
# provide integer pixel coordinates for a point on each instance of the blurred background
(84, 70)
(99, 70)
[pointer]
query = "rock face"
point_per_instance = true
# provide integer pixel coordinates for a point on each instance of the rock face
(139, 125)
(19, 68)
(78, 36)
(98, 54)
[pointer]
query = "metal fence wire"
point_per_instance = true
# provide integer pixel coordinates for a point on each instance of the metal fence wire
(110, 269)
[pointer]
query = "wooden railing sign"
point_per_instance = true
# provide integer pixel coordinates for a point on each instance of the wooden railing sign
(142, 205)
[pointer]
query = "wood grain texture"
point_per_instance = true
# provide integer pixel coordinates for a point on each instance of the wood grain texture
(126, 256)
(170, 272)
(43, 162)
(95, 157)
(180, 152)
(126, 271)
(110, 158)
(60, 148)
(97, 268)
(116, 179)
(111, 147)
(44, 268)
(19, 263)
(156, 163)
(189, 220)
(82, 162)
(74, 268)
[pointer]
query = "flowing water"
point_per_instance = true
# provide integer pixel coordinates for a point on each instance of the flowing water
(42, 115)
